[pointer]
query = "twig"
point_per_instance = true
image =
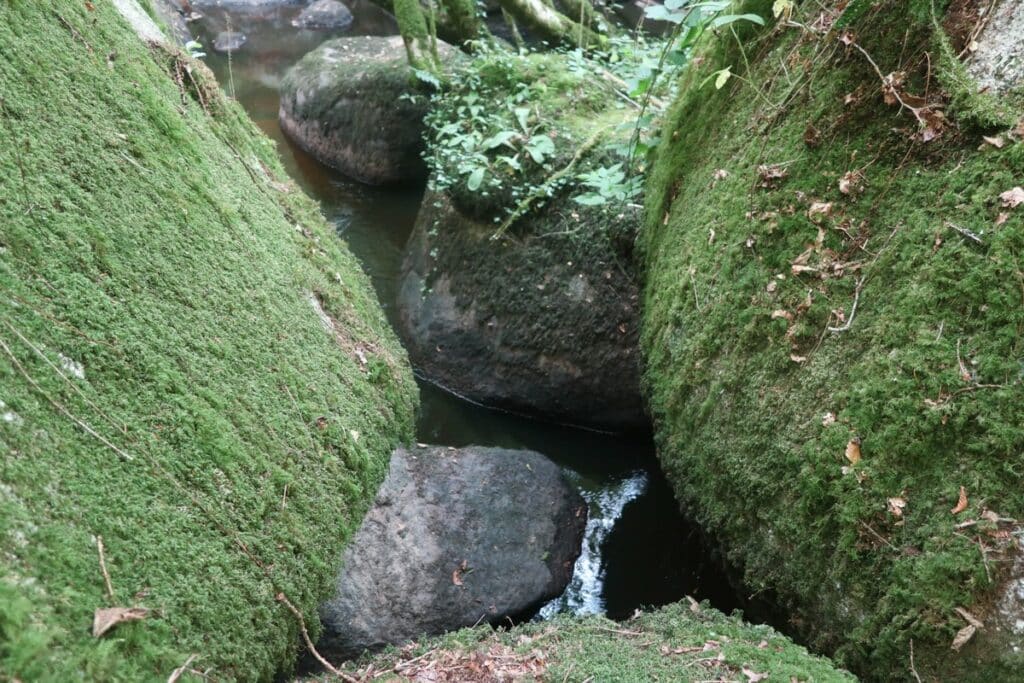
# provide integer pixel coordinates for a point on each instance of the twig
(74, 32)
(59, 407)
(969, 234)
(853, 309)
(180, 671)
(877, 535)
(619, 631)
(309, 643)
(913, 669)
(103, 568)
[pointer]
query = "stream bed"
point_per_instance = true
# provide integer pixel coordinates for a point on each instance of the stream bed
(638, 550)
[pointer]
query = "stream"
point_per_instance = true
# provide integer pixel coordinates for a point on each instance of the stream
(638, 550)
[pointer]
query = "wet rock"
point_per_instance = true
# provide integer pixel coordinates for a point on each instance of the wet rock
(172, 13)
(347, 103)
(455, 537)
(543, 324)
(997, 60)
(229, 41)
(324, 14)
(244, 4)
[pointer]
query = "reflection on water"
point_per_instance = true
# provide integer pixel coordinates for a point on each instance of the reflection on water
(638, 550)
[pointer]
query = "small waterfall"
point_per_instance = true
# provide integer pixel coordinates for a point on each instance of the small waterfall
(583, 595)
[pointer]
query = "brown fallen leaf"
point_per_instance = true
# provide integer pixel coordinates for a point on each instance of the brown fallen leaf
(797, 359)
(782, 313)
(459, 572)
(106, 618)
(961, 504)
(1013, 198)
(753, 676)
(897, 505)
(997, 141)
(1002, 218)
(962, 636)
(853, 450)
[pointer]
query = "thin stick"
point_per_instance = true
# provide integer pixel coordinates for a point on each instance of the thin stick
(103, 568)
(180, 671)
(877, 535)
(309, 643)
(913, 670)
(61, 408)
(969, 234)
(853, 309)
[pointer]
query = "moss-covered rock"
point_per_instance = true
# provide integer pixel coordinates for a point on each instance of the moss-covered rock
(513, 294)
(680, 643)
(182, 373)
(833, 308)
(353, 104)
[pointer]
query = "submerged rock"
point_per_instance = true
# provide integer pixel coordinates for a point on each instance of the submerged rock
(543, 324)
(349, 103)
(229, 41)
(324, 14)
(456, 537)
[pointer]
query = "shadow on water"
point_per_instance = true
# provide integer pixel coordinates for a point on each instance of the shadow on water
(639, 551)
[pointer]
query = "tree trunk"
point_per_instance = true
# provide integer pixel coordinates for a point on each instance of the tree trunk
(551, 24)
(412, 24)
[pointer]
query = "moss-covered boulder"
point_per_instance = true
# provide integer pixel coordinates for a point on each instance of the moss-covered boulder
(681, 643)
(513, 294)
(833, 307)
(192, 367)
(354, 105)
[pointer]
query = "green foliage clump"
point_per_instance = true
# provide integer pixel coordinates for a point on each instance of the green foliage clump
(811, 280)
(679, 642)
(181, 366)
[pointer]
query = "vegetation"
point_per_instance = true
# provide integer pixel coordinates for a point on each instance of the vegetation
(192, 367)
(833, 315)
(677, 643)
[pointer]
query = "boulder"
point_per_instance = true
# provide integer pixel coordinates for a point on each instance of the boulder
(345, 103)
(456, 537)
(324, 14)
(541, 324)
(229, 41)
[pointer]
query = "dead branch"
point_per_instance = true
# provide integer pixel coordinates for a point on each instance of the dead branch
(309, 642)
(913, 670)
(853, 309)
(103, 568)
(969, 234)
(180, 671)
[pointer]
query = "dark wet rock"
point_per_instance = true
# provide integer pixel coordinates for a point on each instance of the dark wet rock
(634, 14)
(244, 4)
(229, 41)
(543, 324)
(456, 537)
(348, 104)
(172, 13)
(324, 14)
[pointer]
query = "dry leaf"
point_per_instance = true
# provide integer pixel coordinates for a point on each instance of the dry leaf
(896, 506)
(996, 141)
(969, 618)
(106, 618)
(961, 504)
(828, 419)
(990, 516)
(459, 572)
(1002, 218)
(781, 313)
(771, 174)
(720, 174)
(753, 676)
(812, 136)
(771, 286)
(962, 636)
(851, 182)
(819, 209)
(853, 450)
(1013, 198)
(797, 359)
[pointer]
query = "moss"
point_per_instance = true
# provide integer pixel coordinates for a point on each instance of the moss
(744, 400)
(163, 370)
(675, 643)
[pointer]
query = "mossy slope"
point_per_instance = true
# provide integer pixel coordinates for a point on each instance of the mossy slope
(755, 400)
(167, 376)
(678, 643)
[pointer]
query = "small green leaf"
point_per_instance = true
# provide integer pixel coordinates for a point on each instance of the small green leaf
(589, 199)
(722, 77)
(476, 179)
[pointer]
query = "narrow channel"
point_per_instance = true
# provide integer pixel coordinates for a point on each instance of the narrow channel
(638, 550)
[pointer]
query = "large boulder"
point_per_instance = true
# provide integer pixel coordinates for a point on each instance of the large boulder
(324, 14)
(353, 104)
(541, 323)
(456, 537)
(186, 350)
(832, 330)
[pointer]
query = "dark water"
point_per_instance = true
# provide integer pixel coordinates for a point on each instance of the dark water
(639, 551)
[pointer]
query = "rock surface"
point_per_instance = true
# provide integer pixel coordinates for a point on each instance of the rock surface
(997, 62)
(325, 14)
(343, 103)
(531, 325)
(229, 41)
(455, 537)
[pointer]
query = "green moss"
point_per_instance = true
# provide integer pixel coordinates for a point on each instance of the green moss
(163, 370)
(741, 426)
(675, 643)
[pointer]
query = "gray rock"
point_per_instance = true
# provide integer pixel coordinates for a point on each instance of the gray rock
(343, 103)
(172, 13)
(244, 4)
(997, 61)
(229, 41)
(540, 325)
(324, 14)
(455, 537)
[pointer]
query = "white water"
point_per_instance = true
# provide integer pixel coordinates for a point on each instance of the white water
(583, 595)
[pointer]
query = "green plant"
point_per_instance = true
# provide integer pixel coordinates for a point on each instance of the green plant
(194, 49)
